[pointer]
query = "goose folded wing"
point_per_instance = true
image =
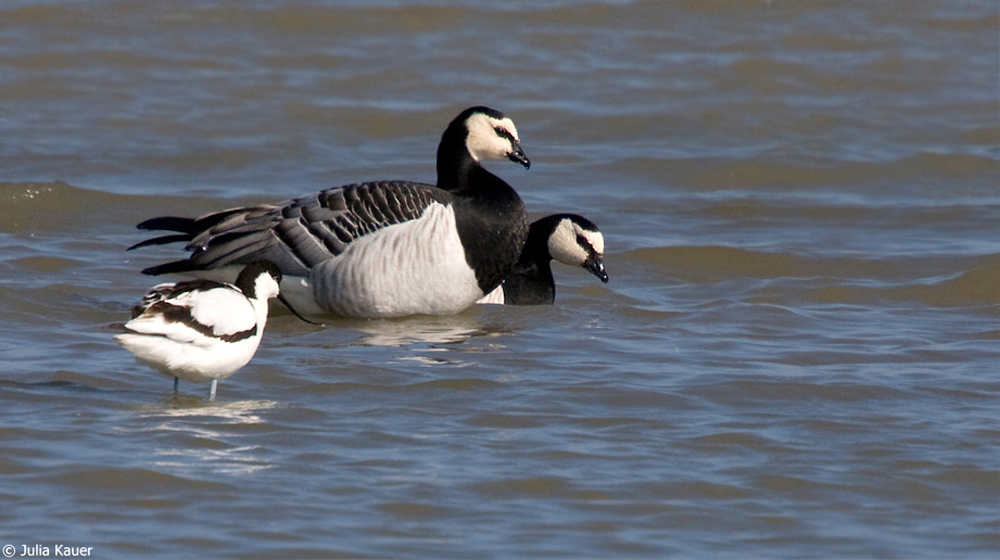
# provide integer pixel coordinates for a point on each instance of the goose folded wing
(301, 233)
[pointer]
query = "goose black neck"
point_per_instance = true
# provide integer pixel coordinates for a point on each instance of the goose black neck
(536, 248)
(455, 165)
(530, 283)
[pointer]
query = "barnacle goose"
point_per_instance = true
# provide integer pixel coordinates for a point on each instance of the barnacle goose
(378, 249)
(201, 330)
(567, 238)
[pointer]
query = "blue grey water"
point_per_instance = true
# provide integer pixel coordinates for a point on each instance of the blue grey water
(796, 356)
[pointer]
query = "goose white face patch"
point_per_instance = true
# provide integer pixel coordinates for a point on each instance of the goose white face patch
(570, 244)
(490, 138)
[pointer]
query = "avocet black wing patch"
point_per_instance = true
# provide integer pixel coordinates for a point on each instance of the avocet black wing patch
(195, 312)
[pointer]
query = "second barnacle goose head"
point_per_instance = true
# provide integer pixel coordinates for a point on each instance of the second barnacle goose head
(576, 241)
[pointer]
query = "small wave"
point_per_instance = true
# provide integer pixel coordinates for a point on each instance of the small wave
(753, 174)
(974, 288)
(932, 280)
(57, 207)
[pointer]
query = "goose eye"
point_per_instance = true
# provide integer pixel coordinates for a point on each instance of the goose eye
(502, 132)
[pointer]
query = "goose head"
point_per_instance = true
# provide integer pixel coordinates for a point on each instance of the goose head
(576, 241)
(477, 134)
(493, 136)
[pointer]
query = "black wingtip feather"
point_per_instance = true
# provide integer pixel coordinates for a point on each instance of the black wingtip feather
(163, 240)
(175, 267)
(170, 223)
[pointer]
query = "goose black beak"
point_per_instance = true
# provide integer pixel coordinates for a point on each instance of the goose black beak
(595, 264)
(517, 155)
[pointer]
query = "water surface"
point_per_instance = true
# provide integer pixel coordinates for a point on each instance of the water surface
(796, 354)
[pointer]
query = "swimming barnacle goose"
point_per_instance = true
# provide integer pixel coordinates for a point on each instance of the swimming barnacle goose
(201, 330)
(378, 249)
(567, 238)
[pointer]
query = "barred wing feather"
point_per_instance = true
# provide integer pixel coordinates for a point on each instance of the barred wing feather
(296, 235)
